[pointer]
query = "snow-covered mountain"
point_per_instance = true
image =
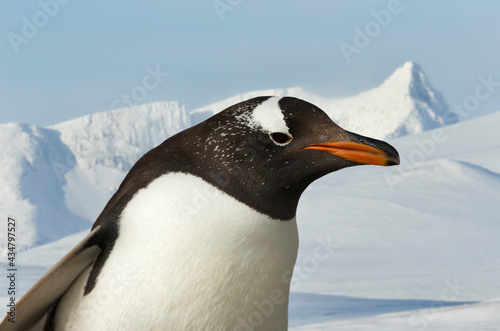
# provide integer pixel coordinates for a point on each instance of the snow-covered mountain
(56, 180)
(406, 103)
(118, 138)
(31, 188)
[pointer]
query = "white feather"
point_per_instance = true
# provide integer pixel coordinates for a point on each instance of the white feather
(188, 257)
(269, 117)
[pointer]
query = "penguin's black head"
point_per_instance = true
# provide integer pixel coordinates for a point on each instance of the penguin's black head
(265, 151)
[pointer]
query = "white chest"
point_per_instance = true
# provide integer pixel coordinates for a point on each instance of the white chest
(189, 257)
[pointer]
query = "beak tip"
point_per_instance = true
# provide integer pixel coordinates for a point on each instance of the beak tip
(389, 154)
(392, 162)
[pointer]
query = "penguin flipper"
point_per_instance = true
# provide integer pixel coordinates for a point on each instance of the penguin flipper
(36, 303)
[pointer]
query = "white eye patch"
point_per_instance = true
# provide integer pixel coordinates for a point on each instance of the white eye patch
(269, 117)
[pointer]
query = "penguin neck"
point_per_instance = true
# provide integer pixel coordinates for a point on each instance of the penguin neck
(208, 253)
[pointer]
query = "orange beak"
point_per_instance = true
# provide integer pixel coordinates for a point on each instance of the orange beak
(360, 152)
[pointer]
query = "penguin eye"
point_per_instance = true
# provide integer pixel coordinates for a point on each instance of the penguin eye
(280, 138)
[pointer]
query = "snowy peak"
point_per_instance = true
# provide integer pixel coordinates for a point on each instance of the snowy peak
(409, 75)
(405, 103)
(410, 79)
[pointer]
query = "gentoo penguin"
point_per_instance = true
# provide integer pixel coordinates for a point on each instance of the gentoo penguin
(201, 234)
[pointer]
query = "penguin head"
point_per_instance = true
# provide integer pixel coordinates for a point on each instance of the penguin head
(265, 151)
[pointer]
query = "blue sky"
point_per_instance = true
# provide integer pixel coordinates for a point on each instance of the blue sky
(62, 59)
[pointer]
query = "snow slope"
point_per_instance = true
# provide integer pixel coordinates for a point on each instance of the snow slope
(31, 186)
(413, 247)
